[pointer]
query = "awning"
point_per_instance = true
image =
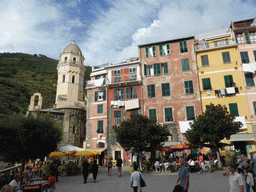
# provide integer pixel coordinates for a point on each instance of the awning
(132, 104)
(185, 125)
(170, 143)
(242, 120)
(69, 148)
(249, 67)
(242, 137)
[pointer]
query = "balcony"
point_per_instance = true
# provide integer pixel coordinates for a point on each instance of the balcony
(127, 79)
(95, 83)
(203, 45)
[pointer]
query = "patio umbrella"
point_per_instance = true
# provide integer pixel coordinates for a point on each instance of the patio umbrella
(96, 152)
(56, 154)
(179, 147)
(86, 153)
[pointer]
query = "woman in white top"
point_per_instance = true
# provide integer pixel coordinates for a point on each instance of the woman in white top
(135, 179)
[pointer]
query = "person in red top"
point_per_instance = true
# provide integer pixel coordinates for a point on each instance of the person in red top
(201, 161)
(51, 182)
(177, 163)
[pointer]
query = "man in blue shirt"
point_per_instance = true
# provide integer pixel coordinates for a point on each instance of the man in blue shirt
(183, 176)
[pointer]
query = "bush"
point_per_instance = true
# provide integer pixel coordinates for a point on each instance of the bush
(46, 169)
(230, 158)
(172, 168)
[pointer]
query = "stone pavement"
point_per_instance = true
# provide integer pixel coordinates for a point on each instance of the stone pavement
(156, 182)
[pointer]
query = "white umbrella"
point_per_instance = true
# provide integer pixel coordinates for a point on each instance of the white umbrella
(69, 148)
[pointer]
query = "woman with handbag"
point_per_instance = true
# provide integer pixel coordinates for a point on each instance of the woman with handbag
(137, 180)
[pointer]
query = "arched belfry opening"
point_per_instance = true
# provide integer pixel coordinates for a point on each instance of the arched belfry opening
(74, 60)
(66, 59)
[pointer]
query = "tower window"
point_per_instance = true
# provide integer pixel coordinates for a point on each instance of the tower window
(74, 130)
(66, 59)
(63, 79)
(73, 79)
(74, 60)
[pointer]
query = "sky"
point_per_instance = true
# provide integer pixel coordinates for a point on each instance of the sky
(109, 31)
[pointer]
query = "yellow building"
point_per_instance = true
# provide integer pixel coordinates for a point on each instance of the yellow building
(221, 82)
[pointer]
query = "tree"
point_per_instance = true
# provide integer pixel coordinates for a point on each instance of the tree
(211, 127)
(23, 138)
(140, 133)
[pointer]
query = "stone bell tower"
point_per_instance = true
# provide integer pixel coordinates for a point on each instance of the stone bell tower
(70, 82)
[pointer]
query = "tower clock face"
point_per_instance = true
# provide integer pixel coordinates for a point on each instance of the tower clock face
(64, 69)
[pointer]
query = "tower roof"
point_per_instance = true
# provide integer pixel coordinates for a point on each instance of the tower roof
(72, 48)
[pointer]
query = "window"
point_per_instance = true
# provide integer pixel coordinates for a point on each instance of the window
(101, 145)
(185, 65)
(249, 79)
(100, 76)
(206, 83)
(188, 87)
(100, 127)
(152, 114)
(63, 79)
(204, 60)
(100, 108)
(165, 68)
(117, 77)
(233, 109)
(74, 60)
(73, 79)
(157, 69)
(165, 89)
(221, 43)
(132, 72)
(168, 114)
(100, 95)
(183, 47)
(150, 51)
(134, 111)
(66, 59)
(254, 106)
(229, 81)
(244, 57)
(226, 57)
(151, 91)
(254, 52)
(247, 37)
(190, 112)
(119, 94)
(164, 49)
(240, 38)
(131, 92)
(117, 117)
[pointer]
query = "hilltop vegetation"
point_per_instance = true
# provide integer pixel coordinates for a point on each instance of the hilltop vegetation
(22, 75)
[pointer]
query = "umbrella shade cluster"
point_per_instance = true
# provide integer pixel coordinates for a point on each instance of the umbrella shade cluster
(87, 153)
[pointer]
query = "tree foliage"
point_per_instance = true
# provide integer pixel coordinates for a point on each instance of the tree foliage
(24, 138)
(140, 133)
(212, 126)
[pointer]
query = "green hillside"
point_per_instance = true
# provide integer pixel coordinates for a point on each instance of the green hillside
(22, 75)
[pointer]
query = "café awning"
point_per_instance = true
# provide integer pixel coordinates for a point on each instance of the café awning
(242, 137)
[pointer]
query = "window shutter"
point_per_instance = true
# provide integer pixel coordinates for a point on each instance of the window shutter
(254, 52)
(100, 127)
(190, 112)
(134, 92)
(145, 70)
(134, 111)
(100, 108)
(104, 94)
(249, 79)
(122, 94)
(146, 51)
(185, 65)
(228, 80)
(159, 68)
(153, 90)
(96, 96)
(104, 76)
(233, 109)
(247, 37)
(127, 93)
(226, 57)
(204, 60)
(191, 89)
(154, 51)
(163, 89)
(156, 70)
(115, 94)
(168, 49)
(97, 77)
(185, 46)
(244, 57)
(168, 114)
(161, 50)
(206, 83)
(254, 106)
(149, 91)
(152, 114)
(165, 68)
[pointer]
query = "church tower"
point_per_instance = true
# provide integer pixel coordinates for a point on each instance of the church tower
(70, 71)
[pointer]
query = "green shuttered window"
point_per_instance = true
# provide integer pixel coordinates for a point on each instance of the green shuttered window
(154, 51)
(254, 106)
(161, 50)
(226, 57)
(185, 65)
(229, 81)
(157, 69)
(233, 109)
(168, 114)
(151, 91)
(100, 127)
(117, 117)
(152, 114)
(165, 68)
(190, 112)
(134, 111)
(146, 52)
(206, 83)
(100, 108)
(188, 87)
(249, 79)
(205, 61)
(183, 47)
(131, 92)
(244, 57)
(118, 94)
(165, 89)
(247, 37)
(168, 49)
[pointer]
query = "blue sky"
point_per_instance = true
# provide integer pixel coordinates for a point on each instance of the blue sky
(110, 30)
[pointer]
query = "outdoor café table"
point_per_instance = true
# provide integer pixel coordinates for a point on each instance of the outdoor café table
(36, 186)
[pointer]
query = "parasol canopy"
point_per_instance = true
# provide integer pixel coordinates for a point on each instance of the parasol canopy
(86, 153)
(56, 154)
(70, 148)
(179, 147)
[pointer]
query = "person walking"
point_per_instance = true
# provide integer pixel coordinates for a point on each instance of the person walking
(110, 165)
(135, 179)
(15, 183)
(119, 163)
(85, 169)
(51, 182)
(235, 180)
(95, 168)
(183, 177)
(211, 158)
(201, 161)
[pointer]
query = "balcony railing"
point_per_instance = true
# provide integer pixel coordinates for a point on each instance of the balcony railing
(202, 45)
(96, 83)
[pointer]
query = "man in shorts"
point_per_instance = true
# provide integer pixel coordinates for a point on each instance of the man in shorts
(119, 163)
(211, 158)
